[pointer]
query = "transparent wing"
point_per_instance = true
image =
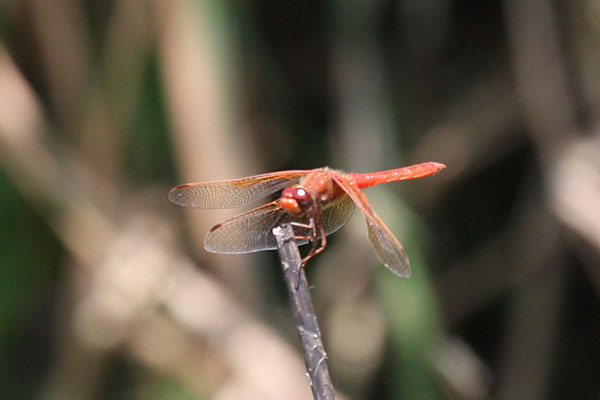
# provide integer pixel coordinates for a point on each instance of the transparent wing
(247, 232)
(233, 193)
(337, 214)
(251, 231)
(389, 250)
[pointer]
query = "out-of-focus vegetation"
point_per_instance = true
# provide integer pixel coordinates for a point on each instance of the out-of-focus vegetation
(107, 293)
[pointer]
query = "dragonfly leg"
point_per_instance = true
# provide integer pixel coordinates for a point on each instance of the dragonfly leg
(323, 241)
(318, 236)
(312, 237)
(305, 226)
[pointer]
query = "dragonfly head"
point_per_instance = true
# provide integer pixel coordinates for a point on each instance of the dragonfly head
(295, 200)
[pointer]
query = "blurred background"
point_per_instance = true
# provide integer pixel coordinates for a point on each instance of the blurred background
(107, 293)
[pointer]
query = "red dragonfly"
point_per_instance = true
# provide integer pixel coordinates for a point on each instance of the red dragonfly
(316, 202)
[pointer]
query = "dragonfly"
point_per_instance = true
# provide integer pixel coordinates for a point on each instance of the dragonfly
(316, 202)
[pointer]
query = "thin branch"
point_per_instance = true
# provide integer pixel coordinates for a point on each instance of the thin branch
(304, 313)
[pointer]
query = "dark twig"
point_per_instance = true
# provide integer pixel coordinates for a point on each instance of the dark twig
(304, 313)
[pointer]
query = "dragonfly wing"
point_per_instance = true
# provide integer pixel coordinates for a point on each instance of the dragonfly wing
(247, 232)
(389, 250)
(337, 214)
(233, 193)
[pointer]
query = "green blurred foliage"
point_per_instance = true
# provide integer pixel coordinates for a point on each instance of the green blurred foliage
(30, 260)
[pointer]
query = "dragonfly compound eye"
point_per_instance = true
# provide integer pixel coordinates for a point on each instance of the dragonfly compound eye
(295, 200)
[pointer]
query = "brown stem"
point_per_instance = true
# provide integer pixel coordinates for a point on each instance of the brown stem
(315, 356)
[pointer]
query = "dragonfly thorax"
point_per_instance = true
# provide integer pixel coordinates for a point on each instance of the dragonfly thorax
(295, 200)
